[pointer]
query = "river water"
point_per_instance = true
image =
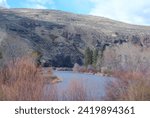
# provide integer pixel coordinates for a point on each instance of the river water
(95, 85)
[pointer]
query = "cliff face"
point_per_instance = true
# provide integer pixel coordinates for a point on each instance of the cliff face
(61, 37)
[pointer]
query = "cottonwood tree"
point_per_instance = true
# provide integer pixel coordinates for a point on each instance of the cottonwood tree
(99, 60)
(13, 48)
(110, 59)
(127, 57)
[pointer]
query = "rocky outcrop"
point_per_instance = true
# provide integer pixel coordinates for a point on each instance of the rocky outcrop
(61, 37)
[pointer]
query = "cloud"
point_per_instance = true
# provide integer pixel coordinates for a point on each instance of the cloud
(130, 11)
(39, 4)
(3, 3)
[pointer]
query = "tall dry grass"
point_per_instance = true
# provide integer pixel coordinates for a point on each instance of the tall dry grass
(51, 93)
(75, 91)
(130, 86)
(20, 80)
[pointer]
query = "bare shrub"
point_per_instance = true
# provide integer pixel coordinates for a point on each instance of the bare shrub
(90, 68)
(127, 57)
(129, 86)
(76, 91)
(110, 60)
(76, 67)
(83, 69)
(131, 65)
(51, 93)
(20, 80)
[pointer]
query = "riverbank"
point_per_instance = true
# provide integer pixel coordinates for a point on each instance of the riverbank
(47, 74)
(86, 71)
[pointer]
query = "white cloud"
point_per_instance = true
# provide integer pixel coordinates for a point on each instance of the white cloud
(42, 2)
(39, 4)
(130, 11)
(3, 3)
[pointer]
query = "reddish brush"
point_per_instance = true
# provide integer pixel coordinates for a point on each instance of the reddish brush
(129, 86)
(20, 80)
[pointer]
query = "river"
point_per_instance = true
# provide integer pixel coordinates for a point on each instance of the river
(95, 85)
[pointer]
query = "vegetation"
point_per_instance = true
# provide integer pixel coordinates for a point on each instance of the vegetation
(127, 57)
(95, 57)
(22, 80)
(130, 86)
(36, 55)
(88, 56)
(99, 60)
(1, 56)
(130, 65)
(91, 57)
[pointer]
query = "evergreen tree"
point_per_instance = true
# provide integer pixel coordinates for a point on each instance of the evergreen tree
(37, 56)
(91, 57)
(95, 57)
(88, 56)
(1, 56)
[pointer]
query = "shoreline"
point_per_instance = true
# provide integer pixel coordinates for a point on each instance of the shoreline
(66, 69)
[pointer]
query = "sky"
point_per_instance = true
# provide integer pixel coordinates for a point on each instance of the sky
(129, 11)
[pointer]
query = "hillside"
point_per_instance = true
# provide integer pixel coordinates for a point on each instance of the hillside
(62, 37)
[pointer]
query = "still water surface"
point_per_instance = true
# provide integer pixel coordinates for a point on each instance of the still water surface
(94, 84)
